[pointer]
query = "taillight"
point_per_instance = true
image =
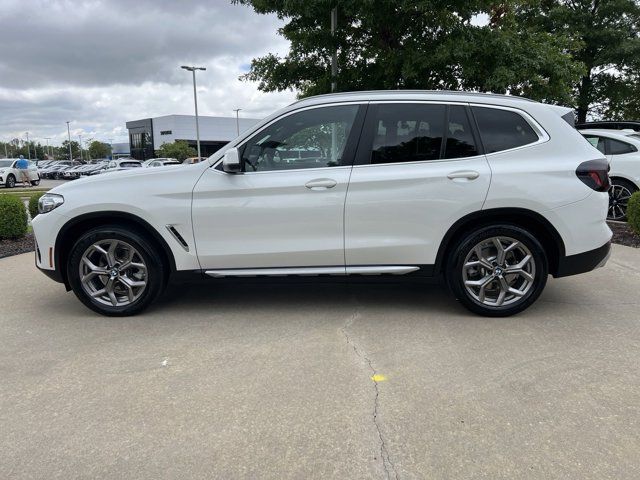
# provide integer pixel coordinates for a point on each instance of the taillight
(595, 174)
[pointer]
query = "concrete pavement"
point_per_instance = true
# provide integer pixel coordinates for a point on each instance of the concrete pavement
(225, 381)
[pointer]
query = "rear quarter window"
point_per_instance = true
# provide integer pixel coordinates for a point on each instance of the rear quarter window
(503, 129)
(617, 147)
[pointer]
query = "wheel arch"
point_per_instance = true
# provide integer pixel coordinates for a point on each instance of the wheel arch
(626, 179)
(77, 226)
(531, 221)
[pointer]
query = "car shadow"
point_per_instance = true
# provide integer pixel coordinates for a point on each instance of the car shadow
(292, 295)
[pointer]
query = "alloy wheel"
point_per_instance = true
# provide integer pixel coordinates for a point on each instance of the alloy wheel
(619, 196)
(499, 271)
(113, 273)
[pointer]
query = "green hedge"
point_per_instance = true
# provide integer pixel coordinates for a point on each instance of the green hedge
(633, 212)
(13, 217)
(33, 203)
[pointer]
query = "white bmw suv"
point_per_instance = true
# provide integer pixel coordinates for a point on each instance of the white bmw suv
(491, 192)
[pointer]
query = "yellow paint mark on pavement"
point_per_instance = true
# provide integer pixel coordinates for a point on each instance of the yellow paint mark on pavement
(378, 378)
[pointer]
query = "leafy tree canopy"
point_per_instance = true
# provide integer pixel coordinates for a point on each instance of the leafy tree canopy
(99, 149)
(178, 149)
(542, 49)
(388, 44)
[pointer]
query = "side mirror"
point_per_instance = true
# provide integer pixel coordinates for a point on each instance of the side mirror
(231, 162)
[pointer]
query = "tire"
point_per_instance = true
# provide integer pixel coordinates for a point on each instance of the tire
(122, 292)
(11, 181)
(477, 277)
(35, 183)
(619, 194)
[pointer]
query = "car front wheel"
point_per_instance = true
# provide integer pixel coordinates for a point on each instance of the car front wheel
(11, 181)
(497, 271)
(115, 272)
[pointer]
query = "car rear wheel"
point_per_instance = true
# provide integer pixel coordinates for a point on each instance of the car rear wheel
(619, 194)
(115, 272)
(11, 181)
(497, 271)
(35, 183)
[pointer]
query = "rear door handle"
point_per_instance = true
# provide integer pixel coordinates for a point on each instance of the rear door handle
(321, 184)
(464, 174)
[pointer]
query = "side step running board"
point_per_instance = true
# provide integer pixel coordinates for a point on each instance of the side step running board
(312, 271)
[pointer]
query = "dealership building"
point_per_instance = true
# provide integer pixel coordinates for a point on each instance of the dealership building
(147, 135)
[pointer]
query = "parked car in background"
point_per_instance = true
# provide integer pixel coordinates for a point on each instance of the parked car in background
(56, 169)
(622, 148)
(192, 160)
(96, 168)
(492, 192)
(10, 175)
(122, 164)
(148, 162)
(162, 162)
(610, 125)
(73, 172)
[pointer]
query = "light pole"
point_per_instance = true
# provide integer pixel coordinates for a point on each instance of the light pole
(195, 101)
(111, 143)
(80, 138)
(6, 155)
(334, 55)
(28, 148)
(237, 121)
(69, 135)
(48, 150)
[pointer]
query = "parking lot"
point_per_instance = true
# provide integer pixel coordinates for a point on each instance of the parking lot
(309, 381)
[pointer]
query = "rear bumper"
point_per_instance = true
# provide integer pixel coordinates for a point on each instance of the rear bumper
(583, 262)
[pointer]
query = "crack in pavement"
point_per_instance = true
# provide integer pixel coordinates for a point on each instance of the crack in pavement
(387, 464)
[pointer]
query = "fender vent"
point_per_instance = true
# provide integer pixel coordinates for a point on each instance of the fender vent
(178, 237)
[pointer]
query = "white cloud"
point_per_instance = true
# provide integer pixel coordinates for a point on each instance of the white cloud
(102, 63)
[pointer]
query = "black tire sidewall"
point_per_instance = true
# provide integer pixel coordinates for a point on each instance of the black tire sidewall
(156, 274)
(456, 260)
(11, 181)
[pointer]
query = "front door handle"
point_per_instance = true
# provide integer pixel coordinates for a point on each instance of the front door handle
(463, 174)
(321, 184)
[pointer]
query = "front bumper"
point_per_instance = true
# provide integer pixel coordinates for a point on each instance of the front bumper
(584, 262)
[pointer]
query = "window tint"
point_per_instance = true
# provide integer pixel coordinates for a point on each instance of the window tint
(309, 139)
(407, 133)
(597, 142)
(502, 129)
(617, 147)
(460, 142)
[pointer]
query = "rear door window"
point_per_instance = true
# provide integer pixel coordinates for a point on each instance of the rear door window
(597, 142)
(407, 132)
(503, 129)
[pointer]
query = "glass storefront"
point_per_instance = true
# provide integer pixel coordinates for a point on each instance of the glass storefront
(141, 139)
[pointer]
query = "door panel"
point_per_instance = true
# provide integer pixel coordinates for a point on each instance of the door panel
(398, 214)
(270, 219)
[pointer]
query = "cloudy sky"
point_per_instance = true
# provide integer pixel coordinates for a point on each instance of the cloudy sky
(100, 63)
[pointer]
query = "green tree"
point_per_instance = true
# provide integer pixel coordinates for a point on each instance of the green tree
(389, 44)
(62, 152)
(99, 149)
(606, 40)
(178, 149)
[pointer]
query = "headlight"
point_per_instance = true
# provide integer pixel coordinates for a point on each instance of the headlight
(49, 201)
(1, 171)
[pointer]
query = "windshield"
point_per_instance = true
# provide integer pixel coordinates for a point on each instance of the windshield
(130, 164)
(5, 163)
